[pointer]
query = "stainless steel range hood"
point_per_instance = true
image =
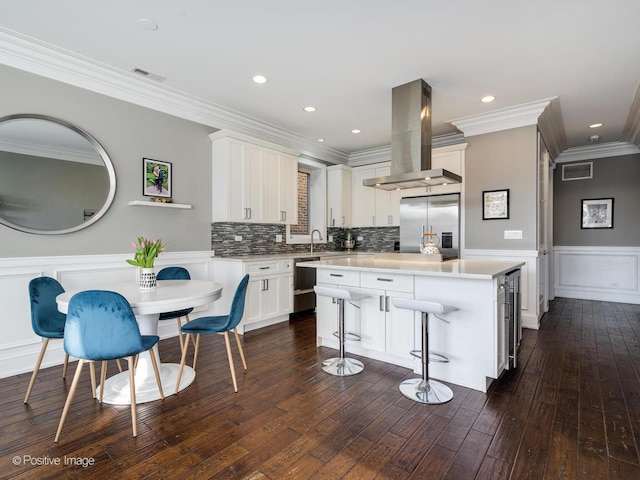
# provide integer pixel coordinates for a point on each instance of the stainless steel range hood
(411, 142)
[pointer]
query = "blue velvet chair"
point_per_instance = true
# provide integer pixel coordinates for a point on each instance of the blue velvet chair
(217, 324)
(175, 273)
(46, 321)
(101, 326)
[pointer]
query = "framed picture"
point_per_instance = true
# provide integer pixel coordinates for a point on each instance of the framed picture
(156, 178)
(495, 204)
(597, 213)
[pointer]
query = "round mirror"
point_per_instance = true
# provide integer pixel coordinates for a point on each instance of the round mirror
(54, 177)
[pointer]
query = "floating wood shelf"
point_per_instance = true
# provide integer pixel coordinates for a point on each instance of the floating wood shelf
(140, 203)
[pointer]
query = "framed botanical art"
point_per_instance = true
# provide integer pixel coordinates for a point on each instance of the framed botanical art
(495, 204)
(156, 177)
(597, 213)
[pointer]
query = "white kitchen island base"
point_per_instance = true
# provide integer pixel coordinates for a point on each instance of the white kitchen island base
(475, 339)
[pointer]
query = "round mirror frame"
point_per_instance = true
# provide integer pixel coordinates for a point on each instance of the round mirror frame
(98, 149)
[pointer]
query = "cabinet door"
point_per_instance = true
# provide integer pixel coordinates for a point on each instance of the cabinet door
(253, 302)
(326, 316)
(285, 288)
(338, 197)
(288, 210)
(237, 166)
(271, 296)
(271, 161)
(363, 199)
(372, 312)
(399, 327)
(254, 182)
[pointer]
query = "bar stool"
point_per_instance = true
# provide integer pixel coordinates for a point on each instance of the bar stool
(341, 366)
(425, 390)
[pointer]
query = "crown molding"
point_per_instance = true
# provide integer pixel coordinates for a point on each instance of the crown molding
(503, 119)
(33, 56)
(443, 143)
(591, 152)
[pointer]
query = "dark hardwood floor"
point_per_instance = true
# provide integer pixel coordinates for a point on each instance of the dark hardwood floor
(571, 410)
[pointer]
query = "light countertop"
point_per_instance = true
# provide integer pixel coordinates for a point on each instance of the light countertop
(415, 264)
(284, 256)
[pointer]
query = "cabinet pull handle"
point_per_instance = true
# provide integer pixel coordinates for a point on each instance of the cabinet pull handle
(343, 220)
(382, 303)
(249, 213)
(332, 220)
(264, 268)
(386, 304)
(336, 275)
(384, 279)
(373, 220)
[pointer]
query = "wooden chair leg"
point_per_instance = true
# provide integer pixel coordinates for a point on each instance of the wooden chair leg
(244, 362)
(66, 364)
(132, 389)
(154, 363)
(119, 365)
(180, 334)
(103, 377)
(36, 369)
(92, 367)
(72, 392)
(183, 360)
(233, 373)
(196, 350)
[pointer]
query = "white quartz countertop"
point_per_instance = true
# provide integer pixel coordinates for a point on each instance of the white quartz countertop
(415, 264)
(284, 256)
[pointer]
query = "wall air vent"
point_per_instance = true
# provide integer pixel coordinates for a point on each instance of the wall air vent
(577, 171)
(149, 75)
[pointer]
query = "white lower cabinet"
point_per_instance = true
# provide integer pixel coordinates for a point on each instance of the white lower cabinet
(269, 293)
(387, 329)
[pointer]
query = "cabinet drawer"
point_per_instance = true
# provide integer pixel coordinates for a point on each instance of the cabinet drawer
(338, 277)
(387, 281)
(262, 268)
(285, 266)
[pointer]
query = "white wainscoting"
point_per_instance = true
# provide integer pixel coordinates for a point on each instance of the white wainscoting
(20, 346)
(598, 273)
(528, 280)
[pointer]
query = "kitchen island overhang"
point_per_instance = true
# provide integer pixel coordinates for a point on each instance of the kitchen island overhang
(475, 339)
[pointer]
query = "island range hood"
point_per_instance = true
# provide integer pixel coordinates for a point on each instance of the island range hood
(411, 142)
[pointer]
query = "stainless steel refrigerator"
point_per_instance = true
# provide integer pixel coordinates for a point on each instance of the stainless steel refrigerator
(433, 213)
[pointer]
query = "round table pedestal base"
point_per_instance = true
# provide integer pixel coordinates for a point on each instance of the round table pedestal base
(117, 391)
(431, 392)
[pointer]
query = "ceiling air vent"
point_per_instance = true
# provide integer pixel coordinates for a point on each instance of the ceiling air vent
(577, 171)
(149, 75)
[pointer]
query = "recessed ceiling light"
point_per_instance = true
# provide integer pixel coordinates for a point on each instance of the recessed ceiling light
(596, 125)
(321, 140)
(309, 109)
(259, 79)
(356, 130)
(488, 99)
(147, 24)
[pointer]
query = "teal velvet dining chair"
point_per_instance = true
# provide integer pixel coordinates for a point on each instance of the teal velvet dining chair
(101, 326)
(46, 321)
(221, 324)
(175, 273)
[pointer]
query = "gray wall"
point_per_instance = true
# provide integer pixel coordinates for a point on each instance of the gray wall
(495, 161)
(128, 133)
(613, 177)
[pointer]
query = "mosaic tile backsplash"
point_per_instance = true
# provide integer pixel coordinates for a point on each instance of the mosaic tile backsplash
(259, 239)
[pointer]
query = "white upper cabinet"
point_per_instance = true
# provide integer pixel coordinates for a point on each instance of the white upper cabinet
(339, 196)
(372, 207)
(252, 182)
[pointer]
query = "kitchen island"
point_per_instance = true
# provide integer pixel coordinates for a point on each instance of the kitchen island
(475, 340)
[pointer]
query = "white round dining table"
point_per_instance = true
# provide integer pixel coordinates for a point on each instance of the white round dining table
(168, 296)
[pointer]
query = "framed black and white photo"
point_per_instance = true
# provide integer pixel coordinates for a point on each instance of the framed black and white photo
(156, 177)
(597, 213)
(495, 204)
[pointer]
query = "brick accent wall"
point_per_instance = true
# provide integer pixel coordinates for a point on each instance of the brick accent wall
(302, 228)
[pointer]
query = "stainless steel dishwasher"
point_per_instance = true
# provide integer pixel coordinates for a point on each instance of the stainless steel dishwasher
(304, 298)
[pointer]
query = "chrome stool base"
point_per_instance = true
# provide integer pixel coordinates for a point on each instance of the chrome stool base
(430, 392)
(342, 367)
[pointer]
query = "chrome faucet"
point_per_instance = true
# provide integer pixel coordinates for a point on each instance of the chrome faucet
(319, 238)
